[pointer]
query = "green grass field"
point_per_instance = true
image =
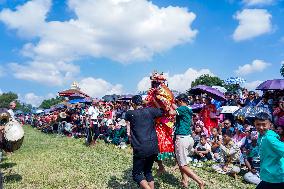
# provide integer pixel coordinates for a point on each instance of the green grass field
(48, 161)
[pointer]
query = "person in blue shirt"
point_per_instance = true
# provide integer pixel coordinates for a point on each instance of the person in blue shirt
(271, 151)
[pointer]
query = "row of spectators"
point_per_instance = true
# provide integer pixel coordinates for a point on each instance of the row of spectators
(222, 138)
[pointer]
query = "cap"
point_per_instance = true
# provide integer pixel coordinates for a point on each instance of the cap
(137, 100)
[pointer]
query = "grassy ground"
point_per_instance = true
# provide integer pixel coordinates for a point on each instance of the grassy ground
(49, 161)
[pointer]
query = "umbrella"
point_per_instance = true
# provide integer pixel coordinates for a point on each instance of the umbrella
(275, 84)
(214, 93)
(219, 88)
(125, 97)
(229, 109)
(196, 107)
(75, 101)
(250, 111)
(234, 81)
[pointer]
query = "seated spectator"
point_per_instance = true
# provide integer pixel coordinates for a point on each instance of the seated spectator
(202, 151)
(279, 113)
(239, 136)
(215, 147)
(227, 126)
(252, 160)
(280, 132)
(230, 156)
(196, 134)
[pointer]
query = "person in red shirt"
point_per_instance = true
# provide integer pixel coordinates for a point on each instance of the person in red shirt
(208, 115)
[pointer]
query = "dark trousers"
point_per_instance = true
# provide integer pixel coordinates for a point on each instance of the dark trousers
(142, 168)
(267, 185)
(93, 133)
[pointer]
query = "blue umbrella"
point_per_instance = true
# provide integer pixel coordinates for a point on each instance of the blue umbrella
(250, 111)
(234, 81)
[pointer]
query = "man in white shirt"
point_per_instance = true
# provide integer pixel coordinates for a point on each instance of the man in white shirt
(93, 113)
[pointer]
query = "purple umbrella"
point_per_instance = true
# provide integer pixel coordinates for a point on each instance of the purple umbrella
(275, 84)
(214, 93)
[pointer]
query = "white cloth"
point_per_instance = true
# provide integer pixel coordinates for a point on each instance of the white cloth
(252, 178)
(93, 112)
(11, 112)
(206, 146)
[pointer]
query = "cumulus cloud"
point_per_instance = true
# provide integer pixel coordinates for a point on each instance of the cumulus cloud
(122, 30)
(258, 2)
(180, 82)
(252, 23)
(28, 19)
(1, 92)
(53, 74)
(252, 85)
(97, 87)
(33, 99)
(255, 66)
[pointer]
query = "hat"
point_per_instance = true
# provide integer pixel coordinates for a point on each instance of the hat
(251, 93)
(183, 97)
(137, 100)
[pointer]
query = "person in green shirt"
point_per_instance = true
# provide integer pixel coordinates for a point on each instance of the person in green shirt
(183, 140)
(271, 151)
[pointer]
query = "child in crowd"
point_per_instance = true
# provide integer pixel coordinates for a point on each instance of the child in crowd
(252, 161)
(215, 147)
(202, 151)
(230, 156)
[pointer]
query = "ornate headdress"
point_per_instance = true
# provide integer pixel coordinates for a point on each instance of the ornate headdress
(160, 77)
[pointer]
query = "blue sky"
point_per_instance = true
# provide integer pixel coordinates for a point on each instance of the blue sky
(112, 46)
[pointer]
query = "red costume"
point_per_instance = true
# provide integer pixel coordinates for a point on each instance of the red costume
(206, 114)
(164, 125)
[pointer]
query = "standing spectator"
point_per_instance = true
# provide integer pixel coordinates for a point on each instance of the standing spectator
(251, 100)
(279, 113)
(93, 113)
(208, 115)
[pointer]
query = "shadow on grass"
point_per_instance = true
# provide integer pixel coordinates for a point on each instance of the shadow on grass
(7, 165)
(13, 178)
(124, 182)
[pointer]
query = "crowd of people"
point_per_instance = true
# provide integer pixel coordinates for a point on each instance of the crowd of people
(229, 142)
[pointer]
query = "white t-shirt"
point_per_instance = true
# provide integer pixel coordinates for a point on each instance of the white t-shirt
(93, 112)
(11, 112)
(206, 146)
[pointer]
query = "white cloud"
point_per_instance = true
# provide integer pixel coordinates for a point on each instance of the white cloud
(97, 87)
(1, 92)
(180, 82)
(252, 85)
(33, 99)
(258, 2)
(252, 23)
(255, 66)
(53, 74)
(28, 19)
(122, 30)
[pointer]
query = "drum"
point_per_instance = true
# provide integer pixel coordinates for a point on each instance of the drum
(13, 136)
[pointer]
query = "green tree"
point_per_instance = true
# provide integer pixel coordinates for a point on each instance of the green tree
(6, 98)
(50, 102)
(282, 70)
(208, 80)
